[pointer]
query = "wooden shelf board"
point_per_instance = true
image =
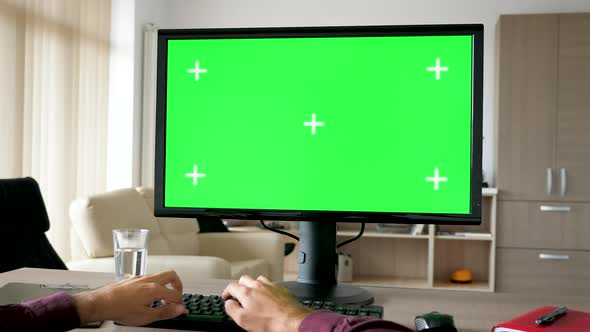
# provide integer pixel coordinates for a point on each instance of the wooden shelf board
(377, 281)
(382, 235)
(480, 286)
(464, 238)
(418, 283)
(403, 282)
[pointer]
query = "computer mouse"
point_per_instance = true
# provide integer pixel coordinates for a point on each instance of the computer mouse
(435, 322)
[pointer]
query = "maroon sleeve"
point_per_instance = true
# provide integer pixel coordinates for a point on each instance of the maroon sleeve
(55, 312)
(326, 321)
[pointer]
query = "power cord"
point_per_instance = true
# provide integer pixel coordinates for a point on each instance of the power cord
(278, 231)
(354, 238)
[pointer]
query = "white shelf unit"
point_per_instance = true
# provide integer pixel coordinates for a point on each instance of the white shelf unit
(421, 261)
(381, 235)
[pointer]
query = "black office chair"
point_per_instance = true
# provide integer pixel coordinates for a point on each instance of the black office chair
(23, 223)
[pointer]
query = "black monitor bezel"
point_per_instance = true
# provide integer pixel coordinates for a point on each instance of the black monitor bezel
(474, 30)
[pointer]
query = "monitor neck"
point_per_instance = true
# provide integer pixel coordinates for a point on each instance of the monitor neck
(317, 253)
(317, 268)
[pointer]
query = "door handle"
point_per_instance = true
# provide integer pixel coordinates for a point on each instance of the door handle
(551, 257)
(549, 208)
(563, 181)
(549, 181)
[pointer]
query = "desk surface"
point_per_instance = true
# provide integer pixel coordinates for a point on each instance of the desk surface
(473, 311)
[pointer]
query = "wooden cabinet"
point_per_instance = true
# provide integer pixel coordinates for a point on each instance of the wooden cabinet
(573, 118)
(527, 101)
(544, 107)
(543, 171)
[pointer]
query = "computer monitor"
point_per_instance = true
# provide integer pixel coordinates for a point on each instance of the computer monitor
(321, 125)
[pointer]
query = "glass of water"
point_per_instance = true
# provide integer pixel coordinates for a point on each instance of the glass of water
(130, 248)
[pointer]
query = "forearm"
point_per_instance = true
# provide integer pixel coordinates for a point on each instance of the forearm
(56, 312)
(329, 321)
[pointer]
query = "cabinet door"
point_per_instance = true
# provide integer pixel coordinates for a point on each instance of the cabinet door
(553, 225)
(573, 125)
(527, 104)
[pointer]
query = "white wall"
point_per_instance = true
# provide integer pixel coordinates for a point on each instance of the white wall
(255, 13)
(125, 89)
(120, 144)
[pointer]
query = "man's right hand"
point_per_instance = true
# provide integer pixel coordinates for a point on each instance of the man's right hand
(263, 307)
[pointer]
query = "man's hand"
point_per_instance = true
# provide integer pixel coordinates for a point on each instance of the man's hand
(128, 301)
(264, 306)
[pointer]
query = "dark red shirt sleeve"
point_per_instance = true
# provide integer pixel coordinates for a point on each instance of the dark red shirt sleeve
(325, 321)
(55, 312)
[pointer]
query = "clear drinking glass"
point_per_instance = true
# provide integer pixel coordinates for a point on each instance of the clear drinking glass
(130, 249)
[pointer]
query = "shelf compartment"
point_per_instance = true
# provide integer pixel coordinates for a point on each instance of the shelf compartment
(394, 259)
(451, 255)
(487, 207)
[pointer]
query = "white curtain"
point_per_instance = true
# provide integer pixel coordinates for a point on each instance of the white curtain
(53, 101)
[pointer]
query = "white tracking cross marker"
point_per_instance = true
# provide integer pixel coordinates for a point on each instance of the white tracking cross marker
(197, 71)
(195, 175)
(436, 179)
(438, 69)
(313, 124)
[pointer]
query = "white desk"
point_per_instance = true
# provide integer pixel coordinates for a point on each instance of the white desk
(473, 311)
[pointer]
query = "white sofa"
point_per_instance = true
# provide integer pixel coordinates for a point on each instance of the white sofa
(174, 243)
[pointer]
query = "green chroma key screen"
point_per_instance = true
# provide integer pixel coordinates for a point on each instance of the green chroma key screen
(371, 124)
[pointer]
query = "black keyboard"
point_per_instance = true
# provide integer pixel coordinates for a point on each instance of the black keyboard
(207, 313)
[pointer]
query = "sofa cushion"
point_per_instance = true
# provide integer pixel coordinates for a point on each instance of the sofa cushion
(95, 217)
(251, 267)
(180, 233)
(187, 267)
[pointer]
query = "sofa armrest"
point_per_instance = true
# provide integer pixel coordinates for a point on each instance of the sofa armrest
(239, 246)
(187, 267)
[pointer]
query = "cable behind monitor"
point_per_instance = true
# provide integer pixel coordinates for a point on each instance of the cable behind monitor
(278, 231)
(297, 238)
(354, 238)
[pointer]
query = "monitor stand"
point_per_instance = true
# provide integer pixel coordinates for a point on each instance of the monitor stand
(317, 260)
